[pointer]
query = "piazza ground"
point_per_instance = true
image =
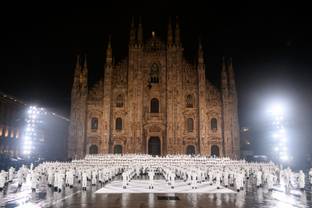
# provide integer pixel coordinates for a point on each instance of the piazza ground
(250, 197)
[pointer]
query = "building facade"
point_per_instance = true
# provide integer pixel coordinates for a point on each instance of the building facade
(154, 102)
(11, 125)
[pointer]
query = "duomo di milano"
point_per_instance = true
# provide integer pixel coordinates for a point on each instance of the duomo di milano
(154, 102)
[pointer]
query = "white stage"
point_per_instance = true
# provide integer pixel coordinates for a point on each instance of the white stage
(160, 186)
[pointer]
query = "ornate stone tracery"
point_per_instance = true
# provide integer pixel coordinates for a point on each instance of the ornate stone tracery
(154, 69)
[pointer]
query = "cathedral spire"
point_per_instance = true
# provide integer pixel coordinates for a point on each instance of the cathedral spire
(224, 78)
(231, 74)
(85, 61)
(200, 53)
(169, 35)
(140, 32)
(84, 76)
(132, 32)
(234, 109)
(109, 54)
(177, 33)
(77, 67)
(85, 65)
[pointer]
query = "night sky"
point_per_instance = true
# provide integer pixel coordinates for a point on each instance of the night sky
(270, 45)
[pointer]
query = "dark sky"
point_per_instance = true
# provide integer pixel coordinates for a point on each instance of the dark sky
(270, 45)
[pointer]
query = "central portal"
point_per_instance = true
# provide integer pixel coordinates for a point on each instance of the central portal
(154, 146)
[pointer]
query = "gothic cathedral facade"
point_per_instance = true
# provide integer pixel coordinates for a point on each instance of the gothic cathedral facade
(154, 102)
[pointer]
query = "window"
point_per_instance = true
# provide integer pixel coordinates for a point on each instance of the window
(190, 124)
(117, 149)
(154, 105)
(12, 133)
(94, 123)
(6, 132)
(118, 124)
(93, 149)
(214, 124)
(215, 151)
(119, 101)
(189, 101)
(190, 150)
(154, 74)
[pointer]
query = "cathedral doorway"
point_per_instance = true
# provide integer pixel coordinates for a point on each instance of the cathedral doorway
(117, 149)
(154, 146)
(215, 150)
(93, 149)
(190, 150)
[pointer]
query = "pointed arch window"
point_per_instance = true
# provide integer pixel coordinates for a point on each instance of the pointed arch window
(154, 105)
(119, 124)
(154, 74)
(119, 101)
(214, 124)
(189, 101)
(190, 125)
(94, 123)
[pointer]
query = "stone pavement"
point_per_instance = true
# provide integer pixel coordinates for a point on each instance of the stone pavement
(249, 197)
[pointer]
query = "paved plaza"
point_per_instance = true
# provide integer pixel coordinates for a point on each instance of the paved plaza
(160, 186)
(98, 196)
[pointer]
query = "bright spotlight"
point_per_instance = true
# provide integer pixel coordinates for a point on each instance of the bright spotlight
(284, 157)
(278, 110)
(26, 152)
(278, 114)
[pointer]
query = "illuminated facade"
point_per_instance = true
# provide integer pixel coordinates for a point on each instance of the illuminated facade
(154, 102)
(11, 123)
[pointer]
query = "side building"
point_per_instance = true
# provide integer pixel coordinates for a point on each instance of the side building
(12, 121)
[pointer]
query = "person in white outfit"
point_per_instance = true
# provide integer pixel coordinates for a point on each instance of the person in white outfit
(226, 179)
(84, 181)
(34, 181)
(238, 182)
(61, 177)
(2, 181)
(50, 178)
(172, 177)
(310, 176)
(124, 180)
(20, 178)
(301, 180)
(218, 178)
(151, 179)
(67, 178)
(55, 182)
(270, 181)
(194, 181)
(11, 174)
(259, 179)
(71, 179)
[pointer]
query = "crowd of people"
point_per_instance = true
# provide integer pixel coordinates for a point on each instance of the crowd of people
(96, 170)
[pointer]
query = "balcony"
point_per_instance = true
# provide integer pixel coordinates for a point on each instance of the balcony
(153, 116)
